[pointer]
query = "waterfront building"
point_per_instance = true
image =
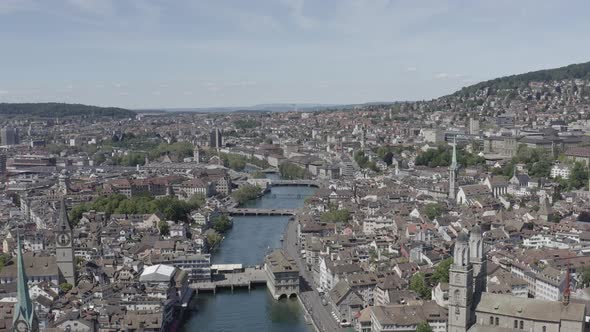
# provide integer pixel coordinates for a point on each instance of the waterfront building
(282, 274)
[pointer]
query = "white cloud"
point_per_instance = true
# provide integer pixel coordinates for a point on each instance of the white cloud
(441, 75)
(411, 69)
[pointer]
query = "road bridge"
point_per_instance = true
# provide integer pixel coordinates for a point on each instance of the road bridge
(261, 212)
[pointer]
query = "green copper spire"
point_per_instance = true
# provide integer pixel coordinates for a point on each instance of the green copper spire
(24, 312)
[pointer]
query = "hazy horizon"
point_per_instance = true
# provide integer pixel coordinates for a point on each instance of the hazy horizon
(203, 54)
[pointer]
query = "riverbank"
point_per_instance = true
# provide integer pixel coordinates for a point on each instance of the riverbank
(247, 243)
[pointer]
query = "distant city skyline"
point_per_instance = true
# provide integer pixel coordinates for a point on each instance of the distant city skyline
(190, 54)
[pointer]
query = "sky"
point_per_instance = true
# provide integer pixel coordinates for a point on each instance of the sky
(211, 53)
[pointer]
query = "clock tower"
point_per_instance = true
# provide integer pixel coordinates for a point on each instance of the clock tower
(64, 246)
(24, 319)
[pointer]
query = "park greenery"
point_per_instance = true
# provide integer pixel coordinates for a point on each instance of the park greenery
(246, 123)
(290, 171)
(578, 179)
(538, 162)
(246, 193)
(335, 215)
(170, 207)
(387, 152)
(443, 155)
(363, 161)
(235, 161)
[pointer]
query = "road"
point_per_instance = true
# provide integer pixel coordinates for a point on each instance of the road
(321, 314)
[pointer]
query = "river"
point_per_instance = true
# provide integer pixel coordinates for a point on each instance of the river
(247, 243)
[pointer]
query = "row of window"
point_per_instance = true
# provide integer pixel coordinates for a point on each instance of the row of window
(518, 324)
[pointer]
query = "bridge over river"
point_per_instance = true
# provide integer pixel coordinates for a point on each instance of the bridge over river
(261, 212)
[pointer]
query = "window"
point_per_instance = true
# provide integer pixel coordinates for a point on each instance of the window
(491, 320)
(522, 325)
(515, 324)
(497, 321)
(544, 328)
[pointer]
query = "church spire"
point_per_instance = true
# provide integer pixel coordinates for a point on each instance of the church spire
(24, 312)
(63, 224)
(453, 172)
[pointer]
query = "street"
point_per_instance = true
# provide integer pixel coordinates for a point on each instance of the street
(321, 314)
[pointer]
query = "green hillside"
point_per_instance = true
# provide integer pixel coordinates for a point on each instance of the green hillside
(53, 110)
(580, 70)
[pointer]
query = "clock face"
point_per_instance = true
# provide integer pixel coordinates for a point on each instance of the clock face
(63, 239)
(21, 326)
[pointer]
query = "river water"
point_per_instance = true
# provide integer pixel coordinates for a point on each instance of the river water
(247, 243)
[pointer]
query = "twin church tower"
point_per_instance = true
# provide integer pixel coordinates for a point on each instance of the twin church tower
(467, 280)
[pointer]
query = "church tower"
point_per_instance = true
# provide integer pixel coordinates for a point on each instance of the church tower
(25, 318)
(197, 154)
(453, 173)
(478, 261)
(64, 247)
(63, 183)
(461, 314)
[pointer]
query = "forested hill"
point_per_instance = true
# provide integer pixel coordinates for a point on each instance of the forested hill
(53, 110)
(575, 71)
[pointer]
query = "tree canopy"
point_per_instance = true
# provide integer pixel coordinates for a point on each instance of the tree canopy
(61, 110)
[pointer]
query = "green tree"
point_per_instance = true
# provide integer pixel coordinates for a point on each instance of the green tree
(246, 193)
(423, 327)
(418, 285)
(222, 223)
(291, 171)
(441, 272)
(65, 287)
(4, 258)
(334, 215)
(578, 177)
(164, 228)
(433, 210)
(213, 239)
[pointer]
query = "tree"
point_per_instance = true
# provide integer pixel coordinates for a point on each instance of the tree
(334, 215)
(213, 239)
(418, 285)
(578, 176)
(423, 327)
(441, 272)
(4, 258)
(246, 193)
(65, 287)
(164, 228)
(433, 210)
(585, 278)
(291, 171)
(222, 223)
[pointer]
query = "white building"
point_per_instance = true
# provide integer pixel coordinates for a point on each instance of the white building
(562, 171)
